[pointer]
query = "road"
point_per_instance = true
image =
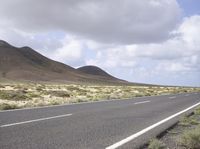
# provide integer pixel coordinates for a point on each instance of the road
(107, 124)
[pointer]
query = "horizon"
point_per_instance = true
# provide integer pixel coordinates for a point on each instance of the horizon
(122, 43)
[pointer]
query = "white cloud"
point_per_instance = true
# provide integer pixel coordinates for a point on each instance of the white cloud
(107, 21)
(136, 40)
(70, 52)
(190, 32)
(179, 56)
(43, 42)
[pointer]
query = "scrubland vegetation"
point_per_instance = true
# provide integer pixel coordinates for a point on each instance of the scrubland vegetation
(22, 95)
(184, 135)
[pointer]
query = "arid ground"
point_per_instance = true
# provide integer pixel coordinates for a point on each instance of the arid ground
(23, 95)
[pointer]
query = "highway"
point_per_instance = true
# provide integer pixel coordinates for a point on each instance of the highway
(108, 124)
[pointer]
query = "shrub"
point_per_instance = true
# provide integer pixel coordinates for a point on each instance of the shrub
(139, 95)
(190, 139)
(33, 95)
(187, 121)
(63, 94)
(1, 86)
(156, 144)
(197, 111)
(14, 95)
(80, 100)
(6, 106)
(54, 102)
(39, 88)
(77, 89)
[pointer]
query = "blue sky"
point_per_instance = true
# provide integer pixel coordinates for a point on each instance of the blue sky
(148, 41)
(190, 7)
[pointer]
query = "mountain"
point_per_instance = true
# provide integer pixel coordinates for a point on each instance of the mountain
(26, 64)
(94, 70)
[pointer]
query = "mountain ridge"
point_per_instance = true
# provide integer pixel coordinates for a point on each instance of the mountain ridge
(26, 64)
(94, 70)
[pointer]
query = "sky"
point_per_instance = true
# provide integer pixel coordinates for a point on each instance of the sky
(147, 41)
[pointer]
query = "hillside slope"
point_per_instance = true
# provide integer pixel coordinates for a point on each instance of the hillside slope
(26, 64)
(94, 70)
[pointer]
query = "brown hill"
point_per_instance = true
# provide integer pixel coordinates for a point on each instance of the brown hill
(26, 64)
(94, 70)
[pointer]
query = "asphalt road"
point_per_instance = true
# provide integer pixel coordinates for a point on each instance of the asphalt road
(98, 125)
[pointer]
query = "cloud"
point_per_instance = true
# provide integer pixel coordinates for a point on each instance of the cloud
(42, 42)
(106, 21)
(70, 52)
(173, 60)
(65, 48)
(141, 41)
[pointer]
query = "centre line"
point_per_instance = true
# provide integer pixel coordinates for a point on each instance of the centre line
(172, 97)
(142, 102)
(134, 136)
(35, 120)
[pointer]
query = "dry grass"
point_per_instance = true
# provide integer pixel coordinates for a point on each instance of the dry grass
(190, 139)
(184, 135)
(156, 144)
(36, 94)
(187, 121)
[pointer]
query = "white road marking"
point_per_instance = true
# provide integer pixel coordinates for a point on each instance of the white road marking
(134, 136)
(172, 97)
(142, 102)
(36, 120)
(187, 95)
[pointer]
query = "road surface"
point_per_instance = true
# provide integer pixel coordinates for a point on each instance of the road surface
(107, 124)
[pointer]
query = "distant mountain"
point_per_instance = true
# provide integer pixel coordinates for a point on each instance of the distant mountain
(4, 43)
(26, 64)
(94, 70)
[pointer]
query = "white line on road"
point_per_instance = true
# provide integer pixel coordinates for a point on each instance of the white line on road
(36, 120)
(172, 97)
(142, 102)
(134, 136)
(187, 95)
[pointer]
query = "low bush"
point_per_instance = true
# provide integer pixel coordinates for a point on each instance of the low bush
(14, 95)
(77, 89)
(197, 111)
(156, 144)
(33, 95)
(63, 94)
(187, 121)
(2, 86)
(5, 106)
(39, 88)
(190, 139)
